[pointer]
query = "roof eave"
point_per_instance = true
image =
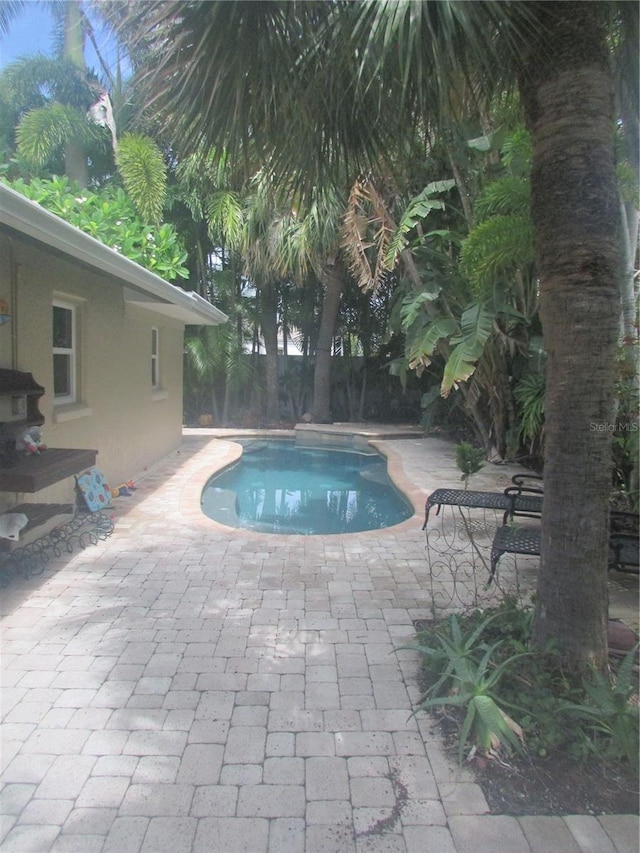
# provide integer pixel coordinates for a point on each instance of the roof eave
(29, 218)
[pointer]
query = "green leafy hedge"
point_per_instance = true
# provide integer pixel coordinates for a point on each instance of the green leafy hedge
(109, 216)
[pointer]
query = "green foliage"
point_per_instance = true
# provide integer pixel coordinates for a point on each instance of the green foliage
(43, 131)
(468, 662)
(466, 338)
(144, 174)
(626, 459)
(33, 81)
(215, 352)
(423, 345)
(499, 248)
(514, 146)
(495, 250)
(486, 725)
(517, 152)
(529, 394)
(469, 460)
(225, 216)
(476, 325)
(438, 411)
(491, 141)
(44, 103)
(627, 183)
(216, 367)
(445, 651)
(475, 303)
(109, 216)
(508, 196)
(465, 675)
(610, 713)
(417, 210)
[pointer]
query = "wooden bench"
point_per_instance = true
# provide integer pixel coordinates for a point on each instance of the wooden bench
(33, 473)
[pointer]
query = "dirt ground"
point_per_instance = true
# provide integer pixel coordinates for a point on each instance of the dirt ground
(557, 786)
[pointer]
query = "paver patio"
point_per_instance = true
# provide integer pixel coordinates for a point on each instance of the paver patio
(184, 687)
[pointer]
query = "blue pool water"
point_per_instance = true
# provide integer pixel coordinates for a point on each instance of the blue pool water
(280, 487)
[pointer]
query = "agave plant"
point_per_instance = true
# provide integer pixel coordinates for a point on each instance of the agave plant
(610, 712)
(466, 675)
(486, 726)
(448, 653)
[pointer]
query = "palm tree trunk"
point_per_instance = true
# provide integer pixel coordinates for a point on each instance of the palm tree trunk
(269, 323)
(215, 410)
(332, 277)
(567, 94)
(363, 392)
(226, 403)
(75, 159)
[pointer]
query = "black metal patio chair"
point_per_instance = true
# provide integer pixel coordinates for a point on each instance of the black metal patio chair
(524, 497)
(624, 547)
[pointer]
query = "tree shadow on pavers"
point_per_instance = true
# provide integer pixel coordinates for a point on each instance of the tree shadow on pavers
(20, 588)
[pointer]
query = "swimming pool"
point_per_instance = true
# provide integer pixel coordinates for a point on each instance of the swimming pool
(279, 486)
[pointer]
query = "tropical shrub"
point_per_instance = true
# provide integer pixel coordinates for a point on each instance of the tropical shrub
(465, 675)
(469, 460)
(610, 716)
(109, 216)
(529, 395)
(503, 697)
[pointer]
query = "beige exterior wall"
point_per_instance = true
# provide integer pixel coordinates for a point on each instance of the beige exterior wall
(117, 412)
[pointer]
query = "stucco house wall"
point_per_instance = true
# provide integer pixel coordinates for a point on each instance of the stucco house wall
(117, 411)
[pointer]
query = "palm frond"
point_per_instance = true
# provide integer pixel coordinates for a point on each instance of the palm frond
(144, 174)
(273, 83)
(198, 356)
(9, 10)
(508, 196)
(517, 152)
(43, 131)
(38, 79)
(225, 216)
(443, 53)
(368, 228)
(495, 249)
(354, 240)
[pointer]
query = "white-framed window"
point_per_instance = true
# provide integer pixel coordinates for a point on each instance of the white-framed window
(65, 383)
(155, 357)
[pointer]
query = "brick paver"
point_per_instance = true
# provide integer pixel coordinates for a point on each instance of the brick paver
(183, 687)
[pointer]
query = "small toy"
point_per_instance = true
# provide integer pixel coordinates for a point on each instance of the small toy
(124, 490)
(93, 489)
(30, 442)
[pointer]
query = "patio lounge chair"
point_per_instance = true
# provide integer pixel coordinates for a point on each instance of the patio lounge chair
(624, 552)
(521, 498)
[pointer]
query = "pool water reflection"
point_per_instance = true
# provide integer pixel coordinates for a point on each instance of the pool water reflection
(281, 487)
